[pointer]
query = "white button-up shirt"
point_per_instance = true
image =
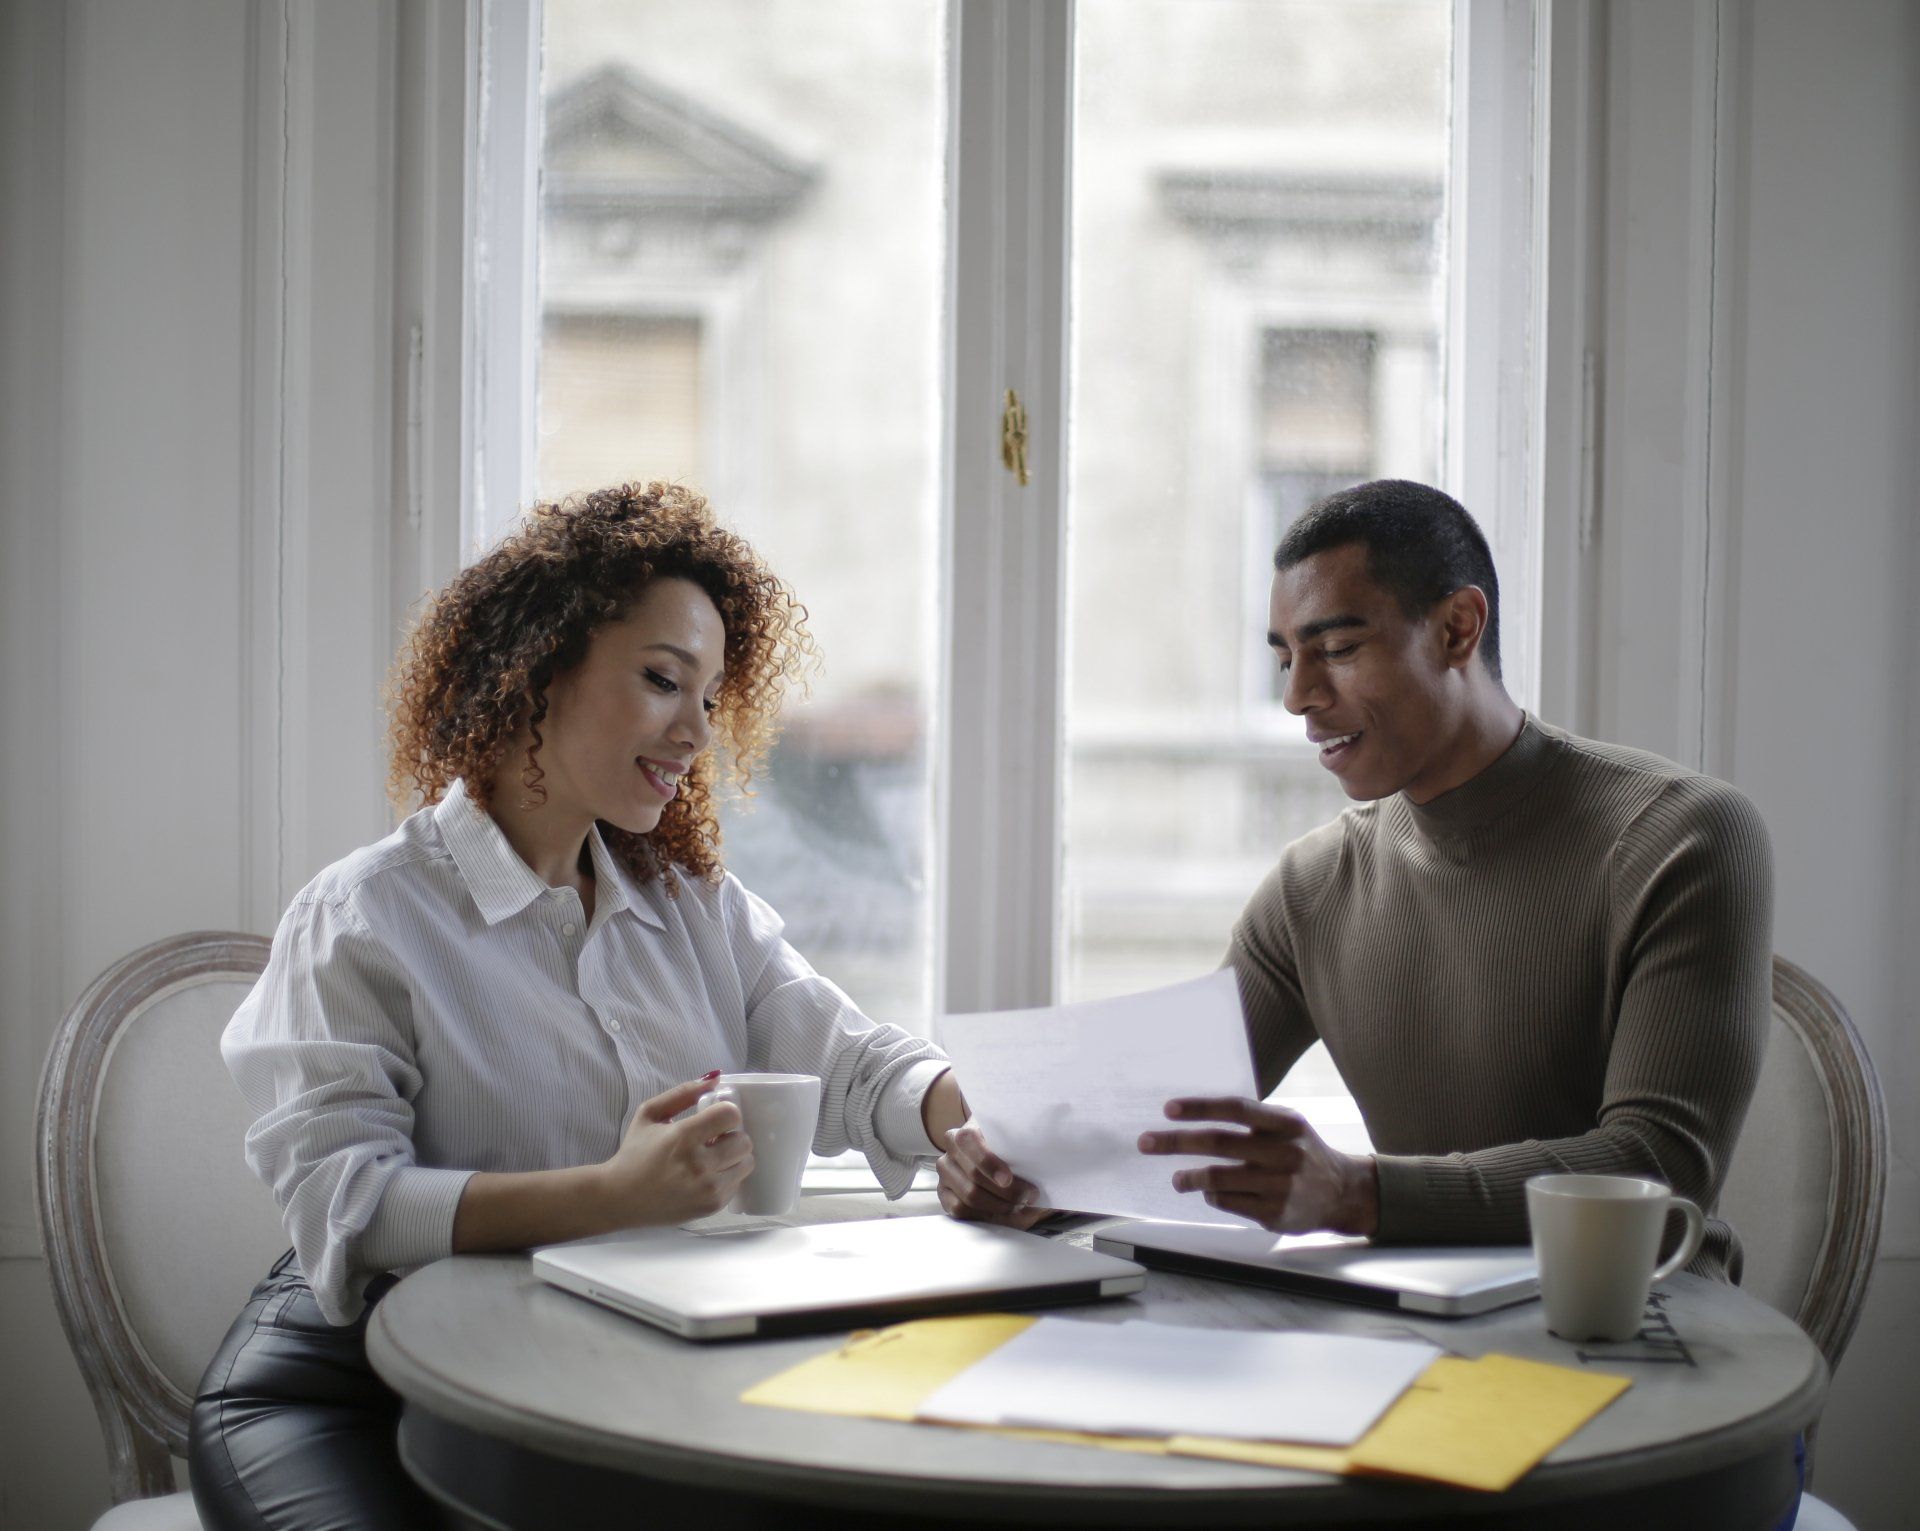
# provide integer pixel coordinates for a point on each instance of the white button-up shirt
(432, 1008)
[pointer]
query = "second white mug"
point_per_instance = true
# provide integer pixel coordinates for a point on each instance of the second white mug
(778, 1113)
(1596, 1238)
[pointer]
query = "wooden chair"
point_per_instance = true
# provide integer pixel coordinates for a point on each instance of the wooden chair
(1808, 1182)
(155, 1230)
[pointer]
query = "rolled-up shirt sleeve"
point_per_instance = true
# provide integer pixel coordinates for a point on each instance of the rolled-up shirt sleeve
(873, 1076)
(323, 1050)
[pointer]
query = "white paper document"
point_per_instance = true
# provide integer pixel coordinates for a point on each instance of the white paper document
(1064, 1093)
(1143, 1378)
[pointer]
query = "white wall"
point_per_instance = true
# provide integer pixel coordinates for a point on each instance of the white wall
(1758, 541)
(205, 284)
(206, 277)
(1823, 697)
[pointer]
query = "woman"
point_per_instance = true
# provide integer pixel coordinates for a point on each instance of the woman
(455, 1023)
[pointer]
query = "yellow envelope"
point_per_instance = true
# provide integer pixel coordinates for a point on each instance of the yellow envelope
(1480, 1424)
(1313, 1459)
(1483, 1424)
(885, 1373)
(1476, 1424)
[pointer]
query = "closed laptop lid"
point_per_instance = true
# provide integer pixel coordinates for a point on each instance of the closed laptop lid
(1452, 1280)
(767, 1279)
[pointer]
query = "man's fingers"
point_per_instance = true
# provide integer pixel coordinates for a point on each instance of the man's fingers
(668, 1104)
(1236, 1178)
(1255, 1209)
(1209, 1142)
(1260, 1154)
(1234, 1108)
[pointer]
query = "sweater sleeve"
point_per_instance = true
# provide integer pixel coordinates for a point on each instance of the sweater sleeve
(1261, 952)
(1690, 886)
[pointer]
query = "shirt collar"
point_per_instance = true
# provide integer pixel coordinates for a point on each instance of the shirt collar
(615, 888)
(502, 884)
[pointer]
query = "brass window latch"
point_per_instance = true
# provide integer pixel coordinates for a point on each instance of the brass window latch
(1013, 437)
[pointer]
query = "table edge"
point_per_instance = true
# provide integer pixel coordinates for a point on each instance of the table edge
(870, 1488)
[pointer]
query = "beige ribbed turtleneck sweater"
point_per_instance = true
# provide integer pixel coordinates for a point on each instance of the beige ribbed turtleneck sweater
(1563, 964)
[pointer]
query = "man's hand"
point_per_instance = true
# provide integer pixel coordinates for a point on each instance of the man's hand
(1279, 1174)
(977, 1186)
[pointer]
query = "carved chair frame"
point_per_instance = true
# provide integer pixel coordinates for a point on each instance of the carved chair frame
(1857, 1143)
(143, 1415)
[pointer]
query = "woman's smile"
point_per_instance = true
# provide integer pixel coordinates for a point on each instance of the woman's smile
(663, 776)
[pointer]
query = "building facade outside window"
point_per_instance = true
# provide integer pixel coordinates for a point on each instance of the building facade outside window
(744, 260)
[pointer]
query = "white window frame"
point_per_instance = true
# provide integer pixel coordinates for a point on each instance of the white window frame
(1000, 738)
(1496, 297)
(501, 319)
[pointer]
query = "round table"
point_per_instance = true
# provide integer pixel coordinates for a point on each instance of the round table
(527, 1406)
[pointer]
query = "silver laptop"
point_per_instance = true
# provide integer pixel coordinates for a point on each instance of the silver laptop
(768, 1279)
(1451, 1281)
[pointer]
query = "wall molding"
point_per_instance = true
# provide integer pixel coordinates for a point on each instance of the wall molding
(262, 805)
(1495, 233)
(1568, 317)
(1670, 263)
(1716, 254)
(319, 619)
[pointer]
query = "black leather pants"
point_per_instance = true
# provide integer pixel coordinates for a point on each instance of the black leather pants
(292, 1430)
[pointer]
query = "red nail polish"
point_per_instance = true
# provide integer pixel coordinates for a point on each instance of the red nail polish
(710, 1074)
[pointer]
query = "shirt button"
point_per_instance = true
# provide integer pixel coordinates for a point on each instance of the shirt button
(613, 1026)
(569, 928)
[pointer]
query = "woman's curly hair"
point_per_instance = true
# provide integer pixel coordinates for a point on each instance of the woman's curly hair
(475, 669)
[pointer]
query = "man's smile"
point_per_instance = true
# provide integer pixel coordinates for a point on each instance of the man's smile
(1335, 748)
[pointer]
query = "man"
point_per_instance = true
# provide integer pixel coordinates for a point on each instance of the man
(1526, 951)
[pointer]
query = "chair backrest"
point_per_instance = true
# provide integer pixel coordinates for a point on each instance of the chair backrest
(1808, 1180)
(155, 1230)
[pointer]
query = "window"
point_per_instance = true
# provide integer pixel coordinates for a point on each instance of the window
(798, 253)
(741, 264)
(1275, 176)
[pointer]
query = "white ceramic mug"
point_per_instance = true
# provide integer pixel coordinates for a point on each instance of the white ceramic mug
(1595, 1238)
(777, 1113)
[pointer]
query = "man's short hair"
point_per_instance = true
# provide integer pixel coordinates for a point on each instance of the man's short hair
(1421, 546)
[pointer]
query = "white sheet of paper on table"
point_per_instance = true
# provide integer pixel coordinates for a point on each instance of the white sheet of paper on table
(1143, 1378)
(1064, 1093)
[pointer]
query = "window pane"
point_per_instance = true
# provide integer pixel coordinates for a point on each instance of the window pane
(742, 270)
(1258, 195)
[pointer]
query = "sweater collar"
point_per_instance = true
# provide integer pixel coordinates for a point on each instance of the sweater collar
(1488, 797)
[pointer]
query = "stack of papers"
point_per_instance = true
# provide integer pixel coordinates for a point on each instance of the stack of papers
(1480, 1424)
(1141, 1378)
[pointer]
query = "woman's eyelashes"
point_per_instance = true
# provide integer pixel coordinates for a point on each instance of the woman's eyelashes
(671, 687)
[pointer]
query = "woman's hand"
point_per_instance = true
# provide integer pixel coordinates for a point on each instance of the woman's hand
(663, 1172)
(667, 1172)
(977, 1186)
